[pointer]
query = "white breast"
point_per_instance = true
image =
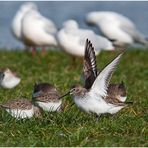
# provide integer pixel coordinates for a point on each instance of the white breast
(18, 113)
(50, 106)
(90, 104)
(123, 99)
(97, 105)
(10, 83)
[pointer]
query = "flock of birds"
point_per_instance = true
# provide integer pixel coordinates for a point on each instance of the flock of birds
(34, 30)
(96, 95)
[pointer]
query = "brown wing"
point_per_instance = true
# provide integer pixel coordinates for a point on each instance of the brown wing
(115, 101)
(89, 65)
(112, 90)
(44, 87)
(116, 90)
(48, 97)
(18, 104)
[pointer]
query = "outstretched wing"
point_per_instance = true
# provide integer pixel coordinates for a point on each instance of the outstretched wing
(89, 65)
(101, 83)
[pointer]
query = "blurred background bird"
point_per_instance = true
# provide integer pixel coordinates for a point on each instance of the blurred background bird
(33, 29)
(72, 39)
(16, 26)
(8, 79)
(67, 10)
(116, 27)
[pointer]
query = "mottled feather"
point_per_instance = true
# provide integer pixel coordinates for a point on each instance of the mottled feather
(22, 103)
(46, 93)
(89, 65)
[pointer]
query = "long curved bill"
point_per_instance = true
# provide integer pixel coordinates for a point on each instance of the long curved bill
(64, 95)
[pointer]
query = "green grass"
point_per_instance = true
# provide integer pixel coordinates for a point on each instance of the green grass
(129, 127)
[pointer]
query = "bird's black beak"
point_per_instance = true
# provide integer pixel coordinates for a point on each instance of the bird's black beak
(2, 75)
(64, 95)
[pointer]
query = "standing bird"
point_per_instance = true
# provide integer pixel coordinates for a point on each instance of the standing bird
(71, 39)
(94, 100)
(8, 79)
(46, 96)
(90, 73)
(116, 27)
(21, 108)
(38, 31)
(16, 26)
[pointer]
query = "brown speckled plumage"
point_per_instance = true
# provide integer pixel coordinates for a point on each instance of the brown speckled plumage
(117, 89)
(47, 93)
(115, 101)
(37, 111)
(21, 103)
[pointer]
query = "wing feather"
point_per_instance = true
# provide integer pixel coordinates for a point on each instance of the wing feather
(101, 83)
(89, 65)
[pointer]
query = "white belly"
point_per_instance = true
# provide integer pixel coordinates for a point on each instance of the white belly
(122, 99)
(92, 105)
(11, 83)
(17, 113)
(98, 106)
(50, 106)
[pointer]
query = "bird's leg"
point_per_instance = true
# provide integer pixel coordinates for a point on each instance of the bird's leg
(98, 117)
(33, 51)
(81, 61)
(74, 60)
(43, 50)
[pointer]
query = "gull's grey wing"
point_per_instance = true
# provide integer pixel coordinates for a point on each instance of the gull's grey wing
(89, 65)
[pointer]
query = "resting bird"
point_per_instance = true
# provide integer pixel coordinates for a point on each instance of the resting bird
(38, 31)
(116, 27)
(16, 26)
(71, 38)
(8, 79)
(46, 96)
(21, 108)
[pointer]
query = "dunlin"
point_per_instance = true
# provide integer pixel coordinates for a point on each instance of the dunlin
(90, 73)
(47, 97)
(8, 79)
(21, 108)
